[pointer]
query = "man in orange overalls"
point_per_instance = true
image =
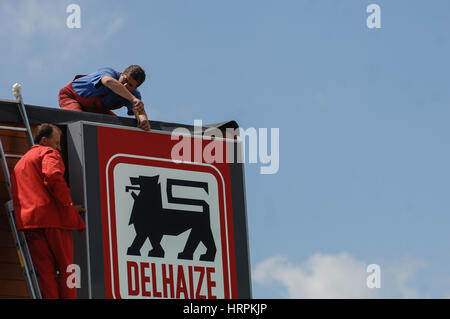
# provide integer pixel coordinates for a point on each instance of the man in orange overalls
(44, 210)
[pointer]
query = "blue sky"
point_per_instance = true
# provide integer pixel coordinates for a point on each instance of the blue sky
(362, 113)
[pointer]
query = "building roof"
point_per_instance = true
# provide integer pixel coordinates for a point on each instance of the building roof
(9, 112)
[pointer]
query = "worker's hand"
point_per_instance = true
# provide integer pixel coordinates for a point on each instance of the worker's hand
(145, 125)
(80, 208)
(138, 106)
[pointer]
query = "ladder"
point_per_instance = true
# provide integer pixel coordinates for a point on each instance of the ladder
(23, 251)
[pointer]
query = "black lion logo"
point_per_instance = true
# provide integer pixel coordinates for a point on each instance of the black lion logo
(152, 221)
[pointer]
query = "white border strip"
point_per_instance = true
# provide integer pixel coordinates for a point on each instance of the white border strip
(166, 160)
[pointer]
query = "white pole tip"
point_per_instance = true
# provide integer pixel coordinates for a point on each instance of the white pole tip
(17, 90)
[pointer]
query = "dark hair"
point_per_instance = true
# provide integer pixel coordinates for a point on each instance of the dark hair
(136, 73)
(44, 130)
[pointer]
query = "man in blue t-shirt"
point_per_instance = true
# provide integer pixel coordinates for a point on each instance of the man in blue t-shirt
(106, 90)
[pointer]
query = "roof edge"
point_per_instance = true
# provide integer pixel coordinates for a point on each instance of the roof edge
(9, 112)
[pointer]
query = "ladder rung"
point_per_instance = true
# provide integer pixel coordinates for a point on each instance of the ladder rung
(19, 237)
(12, 128)
(13, 155)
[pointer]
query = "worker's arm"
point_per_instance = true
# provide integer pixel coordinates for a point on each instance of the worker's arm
(144, 123)
(115, 86)
(138, 106)
(53, 172)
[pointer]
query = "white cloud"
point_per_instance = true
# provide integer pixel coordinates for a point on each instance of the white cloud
(36, 30)
(114, 25)
(337, 276)
(22, 20)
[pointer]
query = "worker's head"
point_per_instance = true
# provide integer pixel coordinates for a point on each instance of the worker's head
(132, 77)
(48, 135)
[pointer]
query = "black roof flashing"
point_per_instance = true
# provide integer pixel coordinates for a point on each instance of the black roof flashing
(9, 112)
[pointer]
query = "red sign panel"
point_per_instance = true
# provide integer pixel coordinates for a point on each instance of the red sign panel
(167, 226)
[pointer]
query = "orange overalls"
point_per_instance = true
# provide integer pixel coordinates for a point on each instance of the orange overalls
(70, 100)
(44, 210)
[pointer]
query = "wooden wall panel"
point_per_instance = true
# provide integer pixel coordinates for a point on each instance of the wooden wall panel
(12, 282)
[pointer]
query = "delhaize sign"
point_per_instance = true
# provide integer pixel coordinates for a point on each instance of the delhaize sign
(158, 227)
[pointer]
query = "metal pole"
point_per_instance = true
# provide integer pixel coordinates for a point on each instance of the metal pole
(19, 237)
(17, 92)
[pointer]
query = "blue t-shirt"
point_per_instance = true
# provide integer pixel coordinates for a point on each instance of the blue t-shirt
(91, 85)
